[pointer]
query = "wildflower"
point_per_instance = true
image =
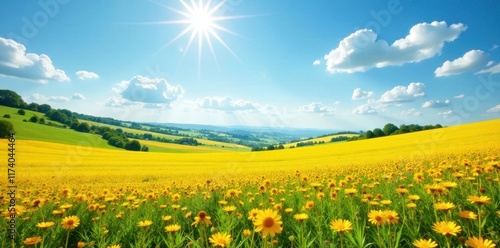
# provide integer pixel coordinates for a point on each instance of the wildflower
(309, 204)
(376, 217)
(253, 213)
(476, 242)
(145, 223)
(414, 198)
(45, 225)
(70, 222)
(301, 217)
(114, 246)
(467, 215)
(479, 200)
(80, 244)
(268, 222)
(32, 241)
(425, 243)
(220, 239)
(391, 216)
(444, 206)
(202, 217)
(288, 210)
(172, 228)
(229, 209)
(447, 228)
(246, 233)
(166, 218)
(341, 226)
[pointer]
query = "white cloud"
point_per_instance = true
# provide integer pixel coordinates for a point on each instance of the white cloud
(436, 104)
(82, 75)
(360, 94)
(364, 109)
(411, 112)
(446, 113)
(78, 96)
(226, 104)
(337, 102)
(58, 99)
(492, 70)
(361, 51)
(317, 62)
(470, 60)
(118, 102)
(38, 97)
(495, 46)
(459, 96)
(15, 62)
(149, 90)
(400, 94)
(316, 107)
(490, 63)
(495, 109)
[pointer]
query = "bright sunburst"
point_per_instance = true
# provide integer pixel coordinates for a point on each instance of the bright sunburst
(202, 25)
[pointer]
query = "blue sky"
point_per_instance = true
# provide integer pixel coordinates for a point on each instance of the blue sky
(331, 65)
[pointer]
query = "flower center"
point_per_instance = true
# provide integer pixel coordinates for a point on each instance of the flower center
(268, 222)
(70, 222)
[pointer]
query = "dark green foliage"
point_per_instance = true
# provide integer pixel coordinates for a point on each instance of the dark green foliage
(21, 112)
(6, 128)
(34, 119)
(6, 116)
(390, 128)
(369, 134)
(83, 127)
(378, 132)
(144, 148)
(133, 145)
(11, 99)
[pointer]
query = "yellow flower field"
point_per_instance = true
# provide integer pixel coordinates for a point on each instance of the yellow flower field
(423, 189)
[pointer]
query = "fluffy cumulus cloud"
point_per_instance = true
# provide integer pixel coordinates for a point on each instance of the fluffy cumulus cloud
(83, 75)
(226, 104)
(436, 104)
(15, 62)
(36, 97)
(470, 60)
(149, 90)
(317, 107)
(495, 109)
(78, 96)
(492, 70)
(400, 94)
(360, 94)
(317, 62)
(364, 109)
(362, 51)
(118, 102)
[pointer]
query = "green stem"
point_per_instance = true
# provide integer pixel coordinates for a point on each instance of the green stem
(479, 219)
(67, 239)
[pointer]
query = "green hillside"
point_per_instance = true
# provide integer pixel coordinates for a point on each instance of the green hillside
(27, 130)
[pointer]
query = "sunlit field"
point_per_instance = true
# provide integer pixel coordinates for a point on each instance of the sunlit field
(436, 188)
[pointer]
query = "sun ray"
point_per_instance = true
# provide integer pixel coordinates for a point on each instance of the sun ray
(202, 24)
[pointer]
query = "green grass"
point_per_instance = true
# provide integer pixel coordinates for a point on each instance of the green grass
(34, 131)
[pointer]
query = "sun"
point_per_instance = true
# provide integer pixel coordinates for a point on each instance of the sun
(202, 20)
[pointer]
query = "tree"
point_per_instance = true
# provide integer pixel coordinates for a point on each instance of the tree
(34, 119)
(33, 106)
(21, 112)
(389, 128)
(11, 99)
(83, 127)
(369, 134)
(144, 148)
(6, 116)
(378, 132)
(133, 145)
(44, 108)
(6, 128)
